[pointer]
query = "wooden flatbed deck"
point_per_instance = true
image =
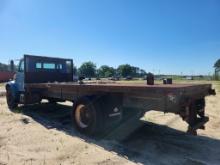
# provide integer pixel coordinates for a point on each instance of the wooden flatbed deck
(157, 90)
(118, 86)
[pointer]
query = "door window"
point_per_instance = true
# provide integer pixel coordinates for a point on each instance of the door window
(21, 66)
(48, 65)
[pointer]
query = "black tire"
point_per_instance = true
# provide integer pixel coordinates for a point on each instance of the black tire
(87, 116)
(11, 100)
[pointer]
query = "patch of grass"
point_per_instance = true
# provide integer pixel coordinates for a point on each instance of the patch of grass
(174, 81)
(192, 81)
(132, 81)
(215, 84)
(17, 110)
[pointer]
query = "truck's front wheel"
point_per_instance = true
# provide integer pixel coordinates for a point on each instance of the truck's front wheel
(11, 101)
(87, 117)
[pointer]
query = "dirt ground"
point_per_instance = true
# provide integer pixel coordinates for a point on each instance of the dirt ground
(43, 135)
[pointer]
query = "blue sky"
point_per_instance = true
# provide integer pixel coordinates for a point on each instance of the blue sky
(170, 36)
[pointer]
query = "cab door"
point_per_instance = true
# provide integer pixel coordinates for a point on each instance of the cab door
(19, 80)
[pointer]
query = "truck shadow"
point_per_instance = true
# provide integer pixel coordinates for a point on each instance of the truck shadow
(150, 144)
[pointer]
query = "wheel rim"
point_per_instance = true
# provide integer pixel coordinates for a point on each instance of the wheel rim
(82, 116)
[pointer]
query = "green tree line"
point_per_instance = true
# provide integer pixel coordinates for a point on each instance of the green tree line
(89, 69)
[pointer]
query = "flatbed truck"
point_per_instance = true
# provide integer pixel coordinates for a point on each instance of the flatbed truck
(98, 107)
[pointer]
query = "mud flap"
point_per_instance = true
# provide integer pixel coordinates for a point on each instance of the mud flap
(130, 123)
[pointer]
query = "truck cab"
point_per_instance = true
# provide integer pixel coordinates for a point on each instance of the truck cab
(36, 69)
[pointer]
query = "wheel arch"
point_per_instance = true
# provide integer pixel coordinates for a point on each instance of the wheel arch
(12, 86)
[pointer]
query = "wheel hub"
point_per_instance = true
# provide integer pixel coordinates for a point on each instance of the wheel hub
(82, 116)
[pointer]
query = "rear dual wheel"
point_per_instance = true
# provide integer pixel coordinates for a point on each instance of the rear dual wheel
(93, 116)
(87, 116)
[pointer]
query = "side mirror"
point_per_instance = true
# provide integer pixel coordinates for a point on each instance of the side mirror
(12, 66)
